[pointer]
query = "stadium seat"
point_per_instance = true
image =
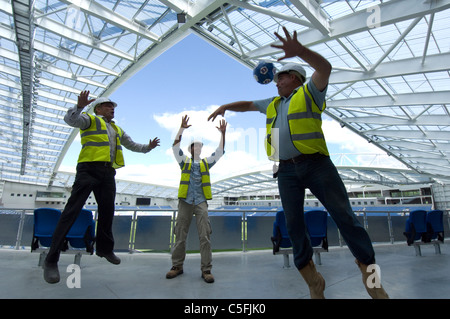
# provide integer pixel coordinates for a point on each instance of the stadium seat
(82, 233)
(280, 236)
(416, 227)
(435, 224)
(316, 223)
(45, 221)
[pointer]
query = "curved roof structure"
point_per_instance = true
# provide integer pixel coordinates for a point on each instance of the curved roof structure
(390, 81)
(262, 182)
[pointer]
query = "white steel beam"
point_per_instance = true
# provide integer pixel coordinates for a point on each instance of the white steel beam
(392, 12)
(423, 120)
(270, 13)
(435, 63)
(95, 9)
(66, 32)
(423, 98)
(410, 134)
(71, 58)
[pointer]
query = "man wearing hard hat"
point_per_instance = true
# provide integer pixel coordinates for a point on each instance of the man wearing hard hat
(100, 156)
(193, 193)
(295, 139)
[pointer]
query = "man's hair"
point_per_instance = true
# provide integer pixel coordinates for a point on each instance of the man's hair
(191, 147)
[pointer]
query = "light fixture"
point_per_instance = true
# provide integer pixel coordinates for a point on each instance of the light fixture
(181, 17)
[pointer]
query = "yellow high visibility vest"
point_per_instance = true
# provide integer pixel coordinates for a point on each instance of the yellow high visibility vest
(186, 175)
(95, 143)
(305, 124)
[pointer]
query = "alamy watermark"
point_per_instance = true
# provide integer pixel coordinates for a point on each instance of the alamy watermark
(374, 18)
(251, 140)
(374, 279)
(74, 279)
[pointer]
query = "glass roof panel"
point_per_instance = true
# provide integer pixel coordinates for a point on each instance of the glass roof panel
(386, 80)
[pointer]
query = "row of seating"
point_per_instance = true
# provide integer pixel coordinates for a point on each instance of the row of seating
(80, 236)
(428, 227)
(424, 227)
(421, 225)
(316, 224)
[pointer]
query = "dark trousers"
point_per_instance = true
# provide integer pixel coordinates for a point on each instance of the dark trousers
(91, 177)
(319, 174)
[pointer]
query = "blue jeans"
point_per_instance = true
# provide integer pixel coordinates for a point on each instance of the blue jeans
(318, 173)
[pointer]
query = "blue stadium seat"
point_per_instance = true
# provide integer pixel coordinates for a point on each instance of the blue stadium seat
(435, 224)
(280, 236)
(45, 221)
(316, 223)
(82, 233)
(416, 227)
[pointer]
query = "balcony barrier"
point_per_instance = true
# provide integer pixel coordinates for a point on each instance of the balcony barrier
(151, 229)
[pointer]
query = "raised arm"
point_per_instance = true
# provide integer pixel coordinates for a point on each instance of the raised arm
(292, 47)
(184, 125)
(222, 128)
(74, 117)
(83, 99)
(240, 106)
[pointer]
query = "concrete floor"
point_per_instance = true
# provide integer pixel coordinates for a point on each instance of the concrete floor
(239, 275)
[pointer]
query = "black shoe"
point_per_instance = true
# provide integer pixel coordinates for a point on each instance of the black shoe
(51, 272)
(113, 259)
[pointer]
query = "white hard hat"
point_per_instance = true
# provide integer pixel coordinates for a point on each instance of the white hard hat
(195, 142)
(294, 68)
(101, 100)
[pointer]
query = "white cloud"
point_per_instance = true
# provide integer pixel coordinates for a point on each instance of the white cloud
(200, 129)
(167, 174)
(354, 149)
(67, 168)
(244, 149)
(237, 163)
(346, 139)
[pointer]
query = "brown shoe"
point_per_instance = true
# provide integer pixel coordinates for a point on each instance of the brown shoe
(174, 271)
(207, 276)
(314, 279)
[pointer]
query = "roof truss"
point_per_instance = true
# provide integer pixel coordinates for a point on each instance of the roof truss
(390, 81)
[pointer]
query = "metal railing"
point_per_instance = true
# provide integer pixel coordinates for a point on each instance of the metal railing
(150, 229)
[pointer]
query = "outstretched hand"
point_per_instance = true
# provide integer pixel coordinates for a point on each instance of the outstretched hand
(291, 46)
(219, 111)
(222, 126)
(153, 143)
(83, 99)
(184, 122)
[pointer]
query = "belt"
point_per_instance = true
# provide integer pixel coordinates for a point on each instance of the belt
(301, 158)
(107, 164)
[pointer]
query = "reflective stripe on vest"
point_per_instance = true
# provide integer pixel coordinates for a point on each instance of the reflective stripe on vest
(305, 124)
(95, 143)
(186, 175)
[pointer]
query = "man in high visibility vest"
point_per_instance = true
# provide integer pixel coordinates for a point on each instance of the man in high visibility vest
(193, 193)
(100, 156)
(295, 139)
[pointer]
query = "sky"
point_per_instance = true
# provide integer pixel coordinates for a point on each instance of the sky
(194, 78)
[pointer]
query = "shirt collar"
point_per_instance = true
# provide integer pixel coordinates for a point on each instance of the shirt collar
(293, 92)
(112, 121)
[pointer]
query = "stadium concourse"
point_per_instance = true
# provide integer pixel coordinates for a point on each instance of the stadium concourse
(256, 275)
